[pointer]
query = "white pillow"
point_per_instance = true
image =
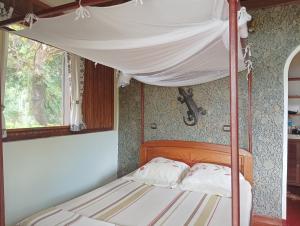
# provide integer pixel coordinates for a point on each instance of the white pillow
(209, 178)
(161, 172)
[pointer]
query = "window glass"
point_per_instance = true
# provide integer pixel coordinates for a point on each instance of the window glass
(37, 92)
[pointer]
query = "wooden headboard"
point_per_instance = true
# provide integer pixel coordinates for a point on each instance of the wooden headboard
(193, 152)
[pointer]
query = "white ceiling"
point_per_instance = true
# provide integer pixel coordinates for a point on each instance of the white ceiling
(57, 2)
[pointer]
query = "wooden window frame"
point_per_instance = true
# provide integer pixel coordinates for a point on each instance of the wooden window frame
(46, 132)
(55, 131)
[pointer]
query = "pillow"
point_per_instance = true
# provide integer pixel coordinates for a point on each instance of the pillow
(209, 178)
(161, 172)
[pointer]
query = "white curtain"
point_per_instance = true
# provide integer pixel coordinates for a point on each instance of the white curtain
(76, 74)
(188, 45)
(3, 59)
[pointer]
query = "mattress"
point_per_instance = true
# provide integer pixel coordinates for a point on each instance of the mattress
(125, 202)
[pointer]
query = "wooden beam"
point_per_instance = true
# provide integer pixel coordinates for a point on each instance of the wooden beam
(55, 10)
(40, 4)
(234, 118)
(256, 4)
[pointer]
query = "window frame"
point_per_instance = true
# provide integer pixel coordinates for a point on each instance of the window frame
(41, 131)
(45, 132)
(56, 131)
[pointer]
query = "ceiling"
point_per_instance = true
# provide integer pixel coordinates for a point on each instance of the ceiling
(22, 7)
(251, 4)
(53, 3)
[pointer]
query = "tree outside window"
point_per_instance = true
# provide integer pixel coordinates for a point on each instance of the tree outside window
(37, 90)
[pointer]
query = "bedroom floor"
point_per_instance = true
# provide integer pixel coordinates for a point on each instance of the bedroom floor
(293, 206)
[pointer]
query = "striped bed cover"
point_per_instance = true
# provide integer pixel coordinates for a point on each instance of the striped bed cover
(125, 202)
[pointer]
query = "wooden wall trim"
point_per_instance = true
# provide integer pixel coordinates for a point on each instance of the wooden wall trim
(46, 132)
(98, 96)
(260, 220)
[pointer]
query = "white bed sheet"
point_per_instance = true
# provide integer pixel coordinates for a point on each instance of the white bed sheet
(125, 202)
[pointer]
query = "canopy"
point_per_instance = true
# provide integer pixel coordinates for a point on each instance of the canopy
(159, 42)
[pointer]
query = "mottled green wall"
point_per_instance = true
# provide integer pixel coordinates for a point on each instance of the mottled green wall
(129, 128)
(277, 34)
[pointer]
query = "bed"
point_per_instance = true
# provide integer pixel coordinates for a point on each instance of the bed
(132, 203)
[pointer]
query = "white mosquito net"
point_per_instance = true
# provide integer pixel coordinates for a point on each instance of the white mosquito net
(159, 42)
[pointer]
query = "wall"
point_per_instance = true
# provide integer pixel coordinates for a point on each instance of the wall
(294, 89)
(44, 172)
(277, 34)
(129, 128)
(294, 70)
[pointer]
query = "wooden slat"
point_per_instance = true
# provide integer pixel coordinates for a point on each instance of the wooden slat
(294, 79)
(98, 98)
(294, 97)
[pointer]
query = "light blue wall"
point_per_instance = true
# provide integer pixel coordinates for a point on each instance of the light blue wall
(44, 172)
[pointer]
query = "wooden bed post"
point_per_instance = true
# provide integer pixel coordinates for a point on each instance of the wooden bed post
(142, 114)
(250, 145)
(2, 207)
(234, 131)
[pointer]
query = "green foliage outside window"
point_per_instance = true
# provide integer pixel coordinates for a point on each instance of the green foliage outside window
(34, 84)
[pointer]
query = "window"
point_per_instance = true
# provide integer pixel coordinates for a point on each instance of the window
(37, 94)
(37, 90)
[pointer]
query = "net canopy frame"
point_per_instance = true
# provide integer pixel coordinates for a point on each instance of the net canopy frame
(226, 28)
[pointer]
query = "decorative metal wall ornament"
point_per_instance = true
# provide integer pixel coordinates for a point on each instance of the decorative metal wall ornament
(194, 112)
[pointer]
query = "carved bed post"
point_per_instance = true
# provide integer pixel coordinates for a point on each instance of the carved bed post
(234, 132)
(142, 114)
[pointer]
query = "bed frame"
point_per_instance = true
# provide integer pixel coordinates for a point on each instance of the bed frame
(192, 152)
